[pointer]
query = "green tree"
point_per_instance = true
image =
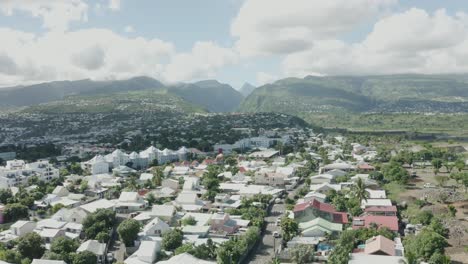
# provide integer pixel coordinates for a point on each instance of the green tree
(465, 181)
(189, 221)
(422, 217)
(395, 172)
(425, 244)
(172, 239)
(211, 182)
(460, 164)
(64, 172)
(103, 237)
(205, 251)
(30, 246)
(57, 207)
(128, 231)
(157, 176)
(185, 248)
(64, 246)
(289, 228)
(11, 256)
(359, 190)
(75, 168)
(302, 254)
(437, 226)
(84, 257)
(452, 210)
(5, 196)
(151, 198)
(439, 258)
(100, 221)
(15, 211)
(344, 246)
(437, 164)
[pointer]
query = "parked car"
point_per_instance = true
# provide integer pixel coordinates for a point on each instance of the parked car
(276, 234)
(429, 185)
(278, 221)
(110, 257)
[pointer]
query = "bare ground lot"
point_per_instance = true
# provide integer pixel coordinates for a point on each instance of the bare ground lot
(458, 226)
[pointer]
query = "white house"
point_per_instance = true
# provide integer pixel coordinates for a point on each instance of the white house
(93, 246)
(47, 261)
(130, 202)
(189, 201)
(61, 191)
(98, 204)
(96, 165)
(155, 227)
(322, 178)
(185, 258)
(74, 215)
(21, 228)
(146, 253)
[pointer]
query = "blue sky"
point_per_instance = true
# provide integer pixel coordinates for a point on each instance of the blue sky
(234, 41)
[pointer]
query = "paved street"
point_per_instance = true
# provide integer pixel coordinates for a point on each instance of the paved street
(264, 252)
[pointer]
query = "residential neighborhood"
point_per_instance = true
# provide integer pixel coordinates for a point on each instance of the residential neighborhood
(297, 197)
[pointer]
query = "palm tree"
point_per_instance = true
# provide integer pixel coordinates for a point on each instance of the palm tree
(360, 190)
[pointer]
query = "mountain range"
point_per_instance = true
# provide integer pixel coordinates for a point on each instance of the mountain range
(362, 94)
(406, 93)
(209, 95)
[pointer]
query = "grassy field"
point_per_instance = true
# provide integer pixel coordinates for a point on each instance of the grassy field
(451, 124)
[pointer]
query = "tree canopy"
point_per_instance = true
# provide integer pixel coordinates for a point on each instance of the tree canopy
(128, 231)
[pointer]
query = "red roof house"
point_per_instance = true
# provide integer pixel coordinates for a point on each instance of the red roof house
(365, 167)
(381, 210)
(391, 222)
(314, 208)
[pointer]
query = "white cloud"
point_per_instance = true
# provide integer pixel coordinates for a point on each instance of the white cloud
(264, 78)
(114, 5)
(129, 29)
(283, 27)
(90, 58)
(202, 62)
(416, 30)
(102, 54)
(409, 42)
(91, 53)
(55, 14)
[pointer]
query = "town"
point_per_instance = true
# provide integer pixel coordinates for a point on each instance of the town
(272, 195)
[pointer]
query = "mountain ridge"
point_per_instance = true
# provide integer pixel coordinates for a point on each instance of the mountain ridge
(210, 94)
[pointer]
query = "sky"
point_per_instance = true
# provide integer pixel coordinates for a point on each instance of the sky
(233, 41)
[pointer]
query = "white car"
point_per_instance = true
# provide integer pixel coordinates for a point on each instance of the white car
(278, 221)
(110, 258)
(276, 234)
(429, 185)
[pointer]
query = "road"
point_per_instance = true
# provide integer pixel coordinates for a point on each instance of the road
(265, 250)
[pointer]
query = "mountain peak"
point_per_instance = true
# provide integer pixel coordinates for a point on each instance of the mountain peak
(247, 89)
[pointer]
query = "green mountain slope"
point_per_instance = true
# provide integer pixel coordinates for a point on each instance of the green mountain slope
(131, 101)
(210, 95)
(392, 93)
(52, 91)
(214, 96)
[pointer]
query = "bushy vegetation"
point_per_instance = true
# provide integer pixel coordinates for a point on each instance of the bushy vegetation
(98, 224)
(231, 251)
